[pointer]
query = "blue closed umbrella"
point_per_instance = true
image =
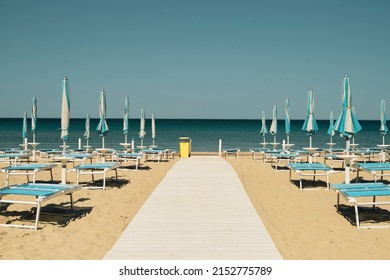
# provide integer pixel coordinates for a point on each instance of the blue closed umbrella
(102, 127)
(34, 110)
(126, 119)
(264, 129)
(24, 130)
(287, 119)
(331, 126)
(310, 124)
(383, 128)
(347, 123)
(153, 124)
(65, 112)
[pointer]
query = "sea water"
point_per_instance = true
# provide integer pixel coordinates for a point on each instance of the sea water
(204, 134)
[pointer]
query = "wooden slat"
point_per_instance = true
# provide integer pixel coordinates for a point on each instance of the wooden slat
(199, 211)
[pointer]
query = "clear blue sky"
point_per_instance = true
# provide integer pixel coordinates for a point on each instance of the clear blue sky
(194, 58)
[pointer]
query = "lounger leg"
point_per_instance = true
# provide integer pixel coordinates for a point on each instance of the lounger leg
(104, 180)
(338, 201)
(300, 182)
(51, 175)
(7, 179)
(357, 216)
(37, 215)
(116, 174)
(373, 200)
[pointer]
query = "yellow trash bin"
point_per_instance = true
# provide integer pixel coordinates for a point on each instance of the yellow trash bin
(185, 147)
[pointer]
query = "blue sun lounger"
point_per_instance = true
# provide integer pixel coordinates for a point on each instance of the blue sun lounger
(232, 151)
(96, 168)
(41, 193)
(284, 157)
(27, 169)
(354, 192)
(137, 157)
(373, 168)
(302, 169)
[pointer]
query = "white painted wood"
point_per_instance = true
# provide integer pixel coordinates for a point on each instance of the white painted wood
(200, 210)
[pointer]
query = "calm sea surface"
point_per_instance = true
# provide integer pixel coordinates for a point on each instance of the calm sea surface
(205, 134)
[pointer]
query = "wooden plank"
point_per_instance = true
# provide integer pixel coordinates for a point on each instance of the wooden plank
(199, 211)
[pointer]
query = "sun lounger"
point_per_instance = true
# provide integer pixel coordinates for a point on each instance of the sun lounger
(284, 157)
(333, 158)
(137, 157)
(27, 169)
(94, 169)
(153, 154)
(41, 193)
(354, 192)
(310, 169)
(260, 151)
(373, 168)
(14, 158)
(232, 151)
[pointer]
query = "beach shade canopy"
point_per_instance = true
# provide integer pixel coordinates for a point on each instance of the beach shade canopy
(264, 129)
(153, 128)
(142, 132)
(383, 128)
(102, 127)
(65, 112)
(87, 133)
(34, 117)
(331, 125)
(126, 118)
(24, 127)
(287, 119)
(274, 124)
(347, 124)
(310, 124)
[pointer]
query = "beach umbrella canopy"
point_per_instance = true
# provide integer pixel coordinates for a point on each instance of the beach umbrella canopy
(310, 124)
(153, 127)
(274, 124)
(87, 133)
(34, 117)
(331, 125)
(264, 129)
(65, 110)
(24, 127)
(142, 132)
(383, 128)
(347, 123)
(287, 119)
(102, 127)
(126, 117)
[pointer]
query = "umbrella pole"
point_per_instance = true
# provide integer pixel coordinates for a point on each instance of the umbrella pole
(383, 140)
(103, 142)
(310, 141)
(288, 139)
(126, 138)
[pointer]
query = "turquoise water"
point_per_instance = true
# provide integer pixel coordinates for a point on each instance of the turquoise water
(205, 134)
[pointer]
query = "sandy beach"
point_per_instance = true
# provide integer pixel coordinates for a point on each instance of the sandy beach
(303, 224)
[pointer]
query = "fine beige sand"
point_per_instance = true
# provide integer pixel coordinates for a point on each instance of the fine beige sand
(304, 225)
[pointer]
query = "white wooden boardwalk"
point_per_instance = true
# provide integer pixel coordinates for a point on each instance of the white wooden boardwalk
(200, 210)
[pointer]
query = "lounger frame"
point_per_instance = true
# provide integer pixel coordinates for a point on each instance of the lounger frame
(41, 192)
(28, 170)
(95, 169)
(310, 169)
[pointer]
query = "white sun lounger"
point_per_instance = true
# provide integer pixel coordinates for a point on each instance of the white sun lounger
(354, 192)
(94, 169)
(41, 193)
(310, 169)
(27, 169)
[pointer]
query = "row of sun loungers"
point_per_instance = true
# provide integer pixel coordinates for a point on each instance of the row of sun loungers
(37, 193)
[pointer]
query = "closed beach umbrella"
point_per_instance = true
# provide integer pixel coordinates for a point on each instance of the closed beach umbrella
(87, 133)
(287, 119)
(102, 127)
(24, 130)
(142, 132)
(153, 129)
(65, 112)
(347, 123)
(383, 129)
(310, 124)
(331, 126)
(126, 118)
(34, 117)
(264, 129)
(274, 124)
